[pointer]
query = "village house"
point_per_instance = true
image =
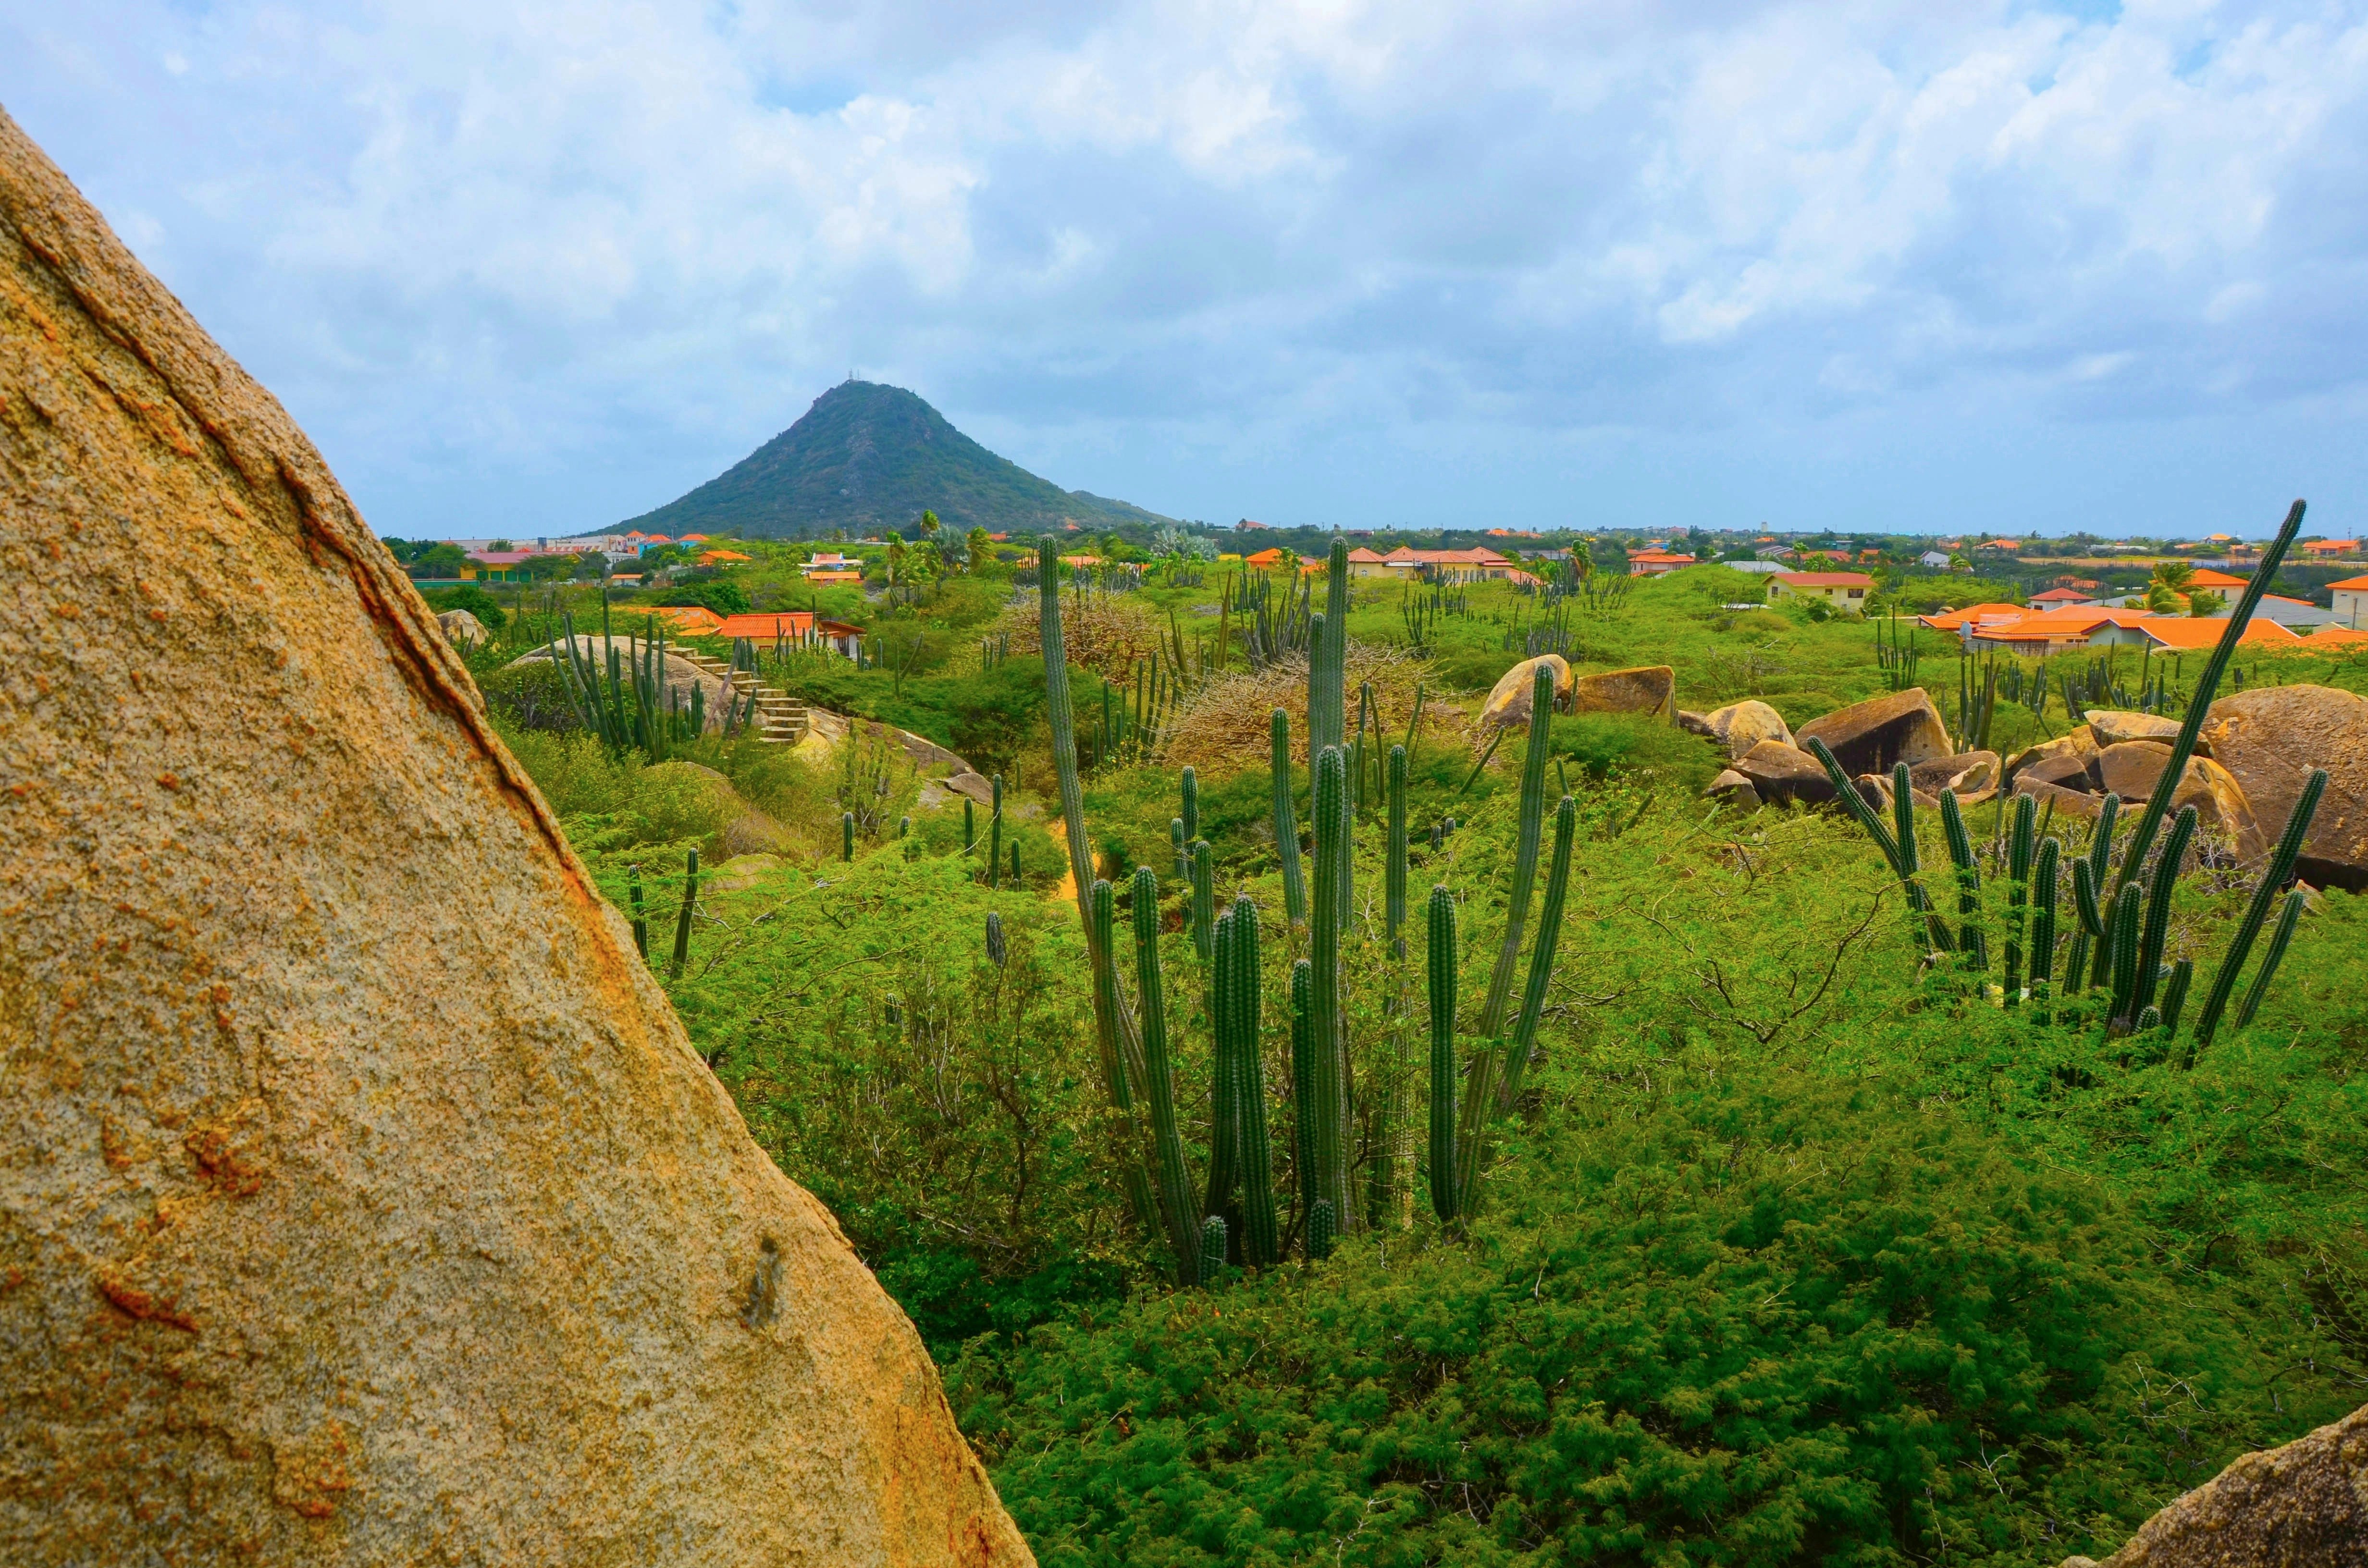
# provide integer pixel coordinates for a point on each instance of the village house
(1938, 560)
(1656, 562)
(1846, 591)
(2331, 548)
(2351, 596)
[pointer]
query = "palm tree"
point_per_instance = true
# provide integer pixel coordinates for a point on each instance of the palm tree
(977, 546)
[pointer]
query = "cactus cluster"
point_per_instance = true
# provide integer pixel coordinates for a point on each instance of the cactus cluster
(682, 922)
(2124, 907)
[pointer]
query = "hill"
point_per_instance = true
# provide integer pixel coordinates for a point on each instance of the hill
(867, 456)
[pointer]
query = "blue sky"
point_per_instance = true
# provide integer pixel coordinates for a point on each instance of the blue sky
(532, 268)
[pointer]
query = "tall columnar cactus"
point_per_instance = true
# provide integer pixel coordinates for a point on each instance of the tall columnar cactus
(682, 921)
(1212, 1250)
(1444, 1165)
(1120, 1046)
(2174, 995)
(1101, 906)
(1204, 898)
(1541, 958)
(1258, 1243)
(2200, 705)
(2018, 853)
(2042, 924)
(2287, 920)
(970, 826)
(847, 835)
(2275, 877)
(1323, 1228)
(1395, 898)
(2094, 928)
(1178, 842)
(1480, 1088)
(1897, 843)
(995, 837)
(1224, 1093)
(995, 950)
(1303, 1085)
(1188, 785)
(2100, 864)
(1329, 1108)
(1159, 1082)
(1286, 824)
(2157, 917)
(2127, 911)
(641, 916)
(1971, 942)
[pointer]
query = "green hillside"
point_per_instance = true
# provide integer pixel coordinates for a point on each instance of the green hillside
(868, 457)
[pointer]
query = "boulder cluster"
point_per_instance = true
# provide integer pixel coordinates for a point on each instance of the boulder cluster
(2251, 758)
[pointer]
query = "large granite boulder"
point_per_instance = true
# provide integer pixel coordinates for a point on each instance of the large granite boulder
(1869, 736)
(2134, 770)
(1780, 774)
(1739, 726)
(1733, 789)
(2303, 1506)
(2114, 727)
(2271, 738)
(1509, 699)
(1650, 688)
(461, 628)
(365, 1201)
(2077, 742)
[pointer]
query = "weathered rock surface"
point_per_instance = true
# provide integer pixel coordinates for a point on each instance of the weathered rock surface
(1739, 726)
(1651, 689)
(2134, 768)
(1780, 774)
(1509, 699)
(361, 1199)
(2111, 727)
(2270, 739)
(1973, 775)
(461, 628)
(1734, 789)
(2077, 742)
(2303, 1506)
(1869, 736)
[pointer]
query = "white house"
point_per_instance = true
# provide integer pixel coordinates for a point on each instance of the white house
(2351, 602)
(1938, 560)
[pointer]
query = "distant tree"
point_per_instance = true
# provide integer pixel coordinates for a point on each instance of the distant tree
(719, 593)
(591, 566)
(2204, 601)
(978, 547)
(929, 524)
(546, 568)
(501, 544)
(438, 560)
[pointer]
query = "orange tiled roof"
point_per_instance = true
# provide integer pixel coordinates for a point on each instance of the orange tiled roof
(765, 625)
(2352, 584)
(2204, 577)
(2203, 631)
(695, 621)
(1951, 619)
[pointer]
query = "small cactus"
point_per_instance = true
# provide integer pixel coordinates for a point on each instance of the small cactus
(2042, 923)
(996, 951)
(2174, 995)
(847, 835)
(1204, 898)
(1444, 1164)
(2019, 856)
(995, 837)
(1212, 1250)
(2287, 920)
(2128, 909)
(1286, 827)
(1971, 942)
(641, 915)
(682, 922)
(2158, 916)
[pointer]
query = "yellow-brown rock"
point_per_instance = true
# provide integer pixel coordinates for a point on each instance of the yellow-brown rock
(361, 1199)
(1509, 699)
(2270, 739)
(1872, 736)
(2077, 742)
(2134, 768)
(1739, 726)
(1649, 689)
(2302, 1506)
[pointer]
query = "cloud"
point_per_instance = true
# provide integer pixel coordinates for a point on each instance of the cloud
(538, 264)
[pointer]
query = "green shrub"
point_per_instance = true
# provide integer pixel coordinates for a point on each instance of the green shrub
(1759, 1321)
(473, 600)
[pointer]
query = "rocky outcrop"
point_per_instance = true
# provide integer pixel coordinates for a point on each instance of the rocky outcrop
(2269, 740)
(2077, 742)
(361, 1199)
(1650, 688)
(1739, 726)
(1509, 699)
(1780, 774)
(2303, 1506)
(1734, 789)
(1871, 736)
(462, 630)
(2111, 727)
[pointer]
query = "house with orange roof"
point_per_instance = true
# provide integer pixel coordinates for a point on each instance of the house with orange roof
(2061, 598)
(2185, 634)
(2337, 636)
(720, 557)
(2351, 600)
(1265, 559)
(766, 626)
(1974, 615)
(2218, 582)
(2331, 548)
(1660, 563)
(1846, 591)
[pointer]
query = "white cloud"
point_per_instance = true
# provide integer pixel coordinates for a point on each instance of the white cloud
(585, 252)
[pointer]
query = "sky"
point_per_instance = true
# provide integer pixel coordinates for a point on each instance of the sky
(534, 267)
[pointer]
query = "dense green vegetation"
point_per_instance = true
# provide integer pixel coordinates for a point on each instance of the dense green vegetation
(1798, 1247)
(867, 457)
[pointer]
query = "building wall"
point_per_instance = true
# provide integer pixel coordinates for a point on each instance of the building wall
(2352, 607)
